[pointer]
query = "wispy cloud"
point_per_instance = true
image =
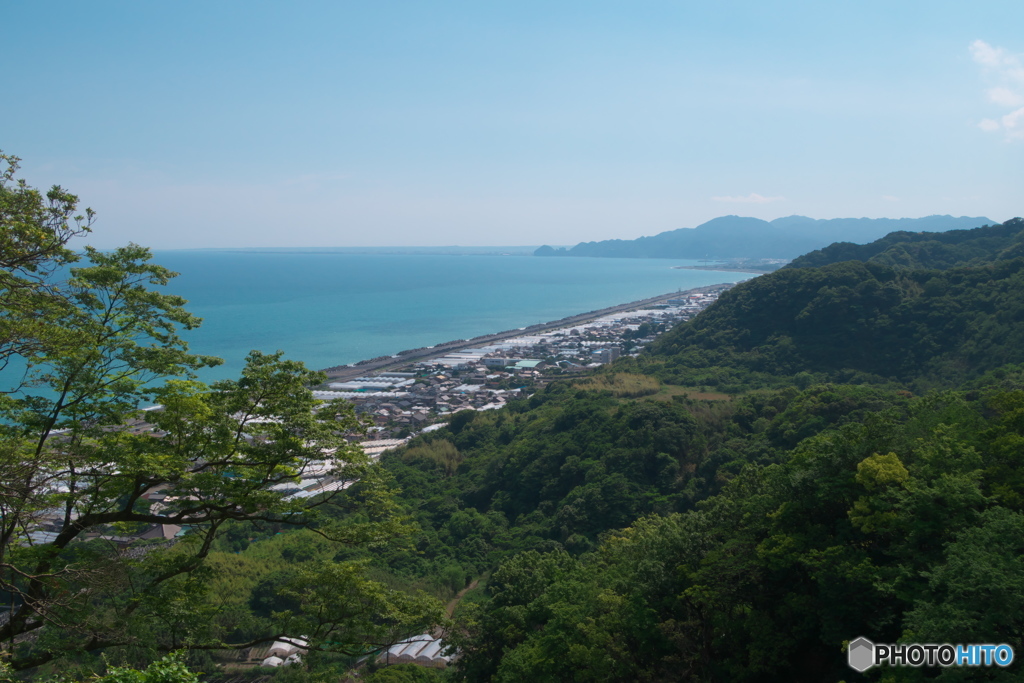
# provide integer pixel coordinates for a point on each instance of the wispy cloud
(890, 198)
(1005, 97)
(752, 198)
(1006, 72)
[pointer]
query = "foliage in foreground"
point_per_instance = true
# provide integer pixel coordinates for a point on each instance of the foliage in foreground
(83, 347)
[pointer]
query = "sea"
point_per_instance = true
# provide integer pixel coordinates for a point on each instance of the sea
(330, 307)
(327, 308)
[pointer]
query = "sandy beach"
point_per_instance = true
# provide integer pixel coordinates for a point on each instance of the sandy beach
(346, 372)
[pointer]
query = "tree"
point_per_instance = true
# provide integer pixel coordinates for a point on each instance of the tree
(84, 347)
(32, 246)
(169, 669)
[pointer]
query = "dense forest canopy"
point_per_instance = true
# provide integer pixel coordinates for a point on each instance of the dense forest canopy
(950, 314)
(926, 250)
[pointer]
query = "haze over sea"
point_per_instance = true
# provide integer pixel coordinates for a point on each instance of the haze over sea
(327, 308)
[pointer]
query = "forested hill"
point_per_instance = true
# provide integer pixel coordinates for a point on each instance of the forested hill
(875, 319)
(927, 249)
(742, 237)
(859, 472)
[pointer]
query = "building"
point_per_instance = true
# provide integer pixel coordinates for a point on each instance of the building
(423, 650)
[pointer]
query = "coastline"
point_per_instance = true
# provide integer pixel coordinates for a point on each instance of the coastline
(755, 271)
(402, 358)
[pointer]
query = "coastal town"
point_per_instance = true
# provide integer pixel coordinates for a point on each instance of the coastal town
(405, 398)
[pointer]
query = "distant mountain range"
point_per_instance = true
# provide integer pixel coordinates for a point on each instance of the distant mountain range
(740, 237)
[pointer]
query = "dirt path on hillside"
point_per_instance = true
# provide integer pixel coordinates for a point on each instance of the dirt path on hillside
(450, 608)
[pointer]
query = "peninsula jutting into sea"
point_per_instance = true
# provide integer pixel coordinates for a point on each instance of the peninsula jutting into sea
(331, 309)
(418, 389)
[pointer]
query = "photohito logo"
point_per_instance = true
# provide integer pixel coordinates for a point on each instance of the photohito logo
(862, 654)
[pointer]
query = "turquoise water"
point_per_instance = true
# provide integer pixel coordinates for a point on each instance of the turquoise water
(328, 308)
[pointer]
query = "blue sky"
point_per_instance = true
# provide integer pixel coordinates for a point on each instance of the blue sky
(229, 123)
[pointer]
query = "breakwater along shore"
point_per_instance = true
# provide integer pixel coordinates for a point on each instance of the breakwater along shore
(403, 358)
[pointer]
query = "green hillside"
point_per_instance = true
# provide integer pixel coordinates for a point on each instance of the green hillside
(863, 478)
(927, 249)
(874, 319)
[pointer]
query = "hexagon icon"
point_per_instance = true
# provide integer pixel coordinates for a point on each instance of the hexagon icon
(861, 654)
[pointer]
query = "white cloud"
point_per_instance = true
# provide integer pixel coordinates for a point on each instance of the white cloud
(890, 198)
(986, 55)
(1007, 71)
(1005, 97)
(752, 198)
(1013, 124)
